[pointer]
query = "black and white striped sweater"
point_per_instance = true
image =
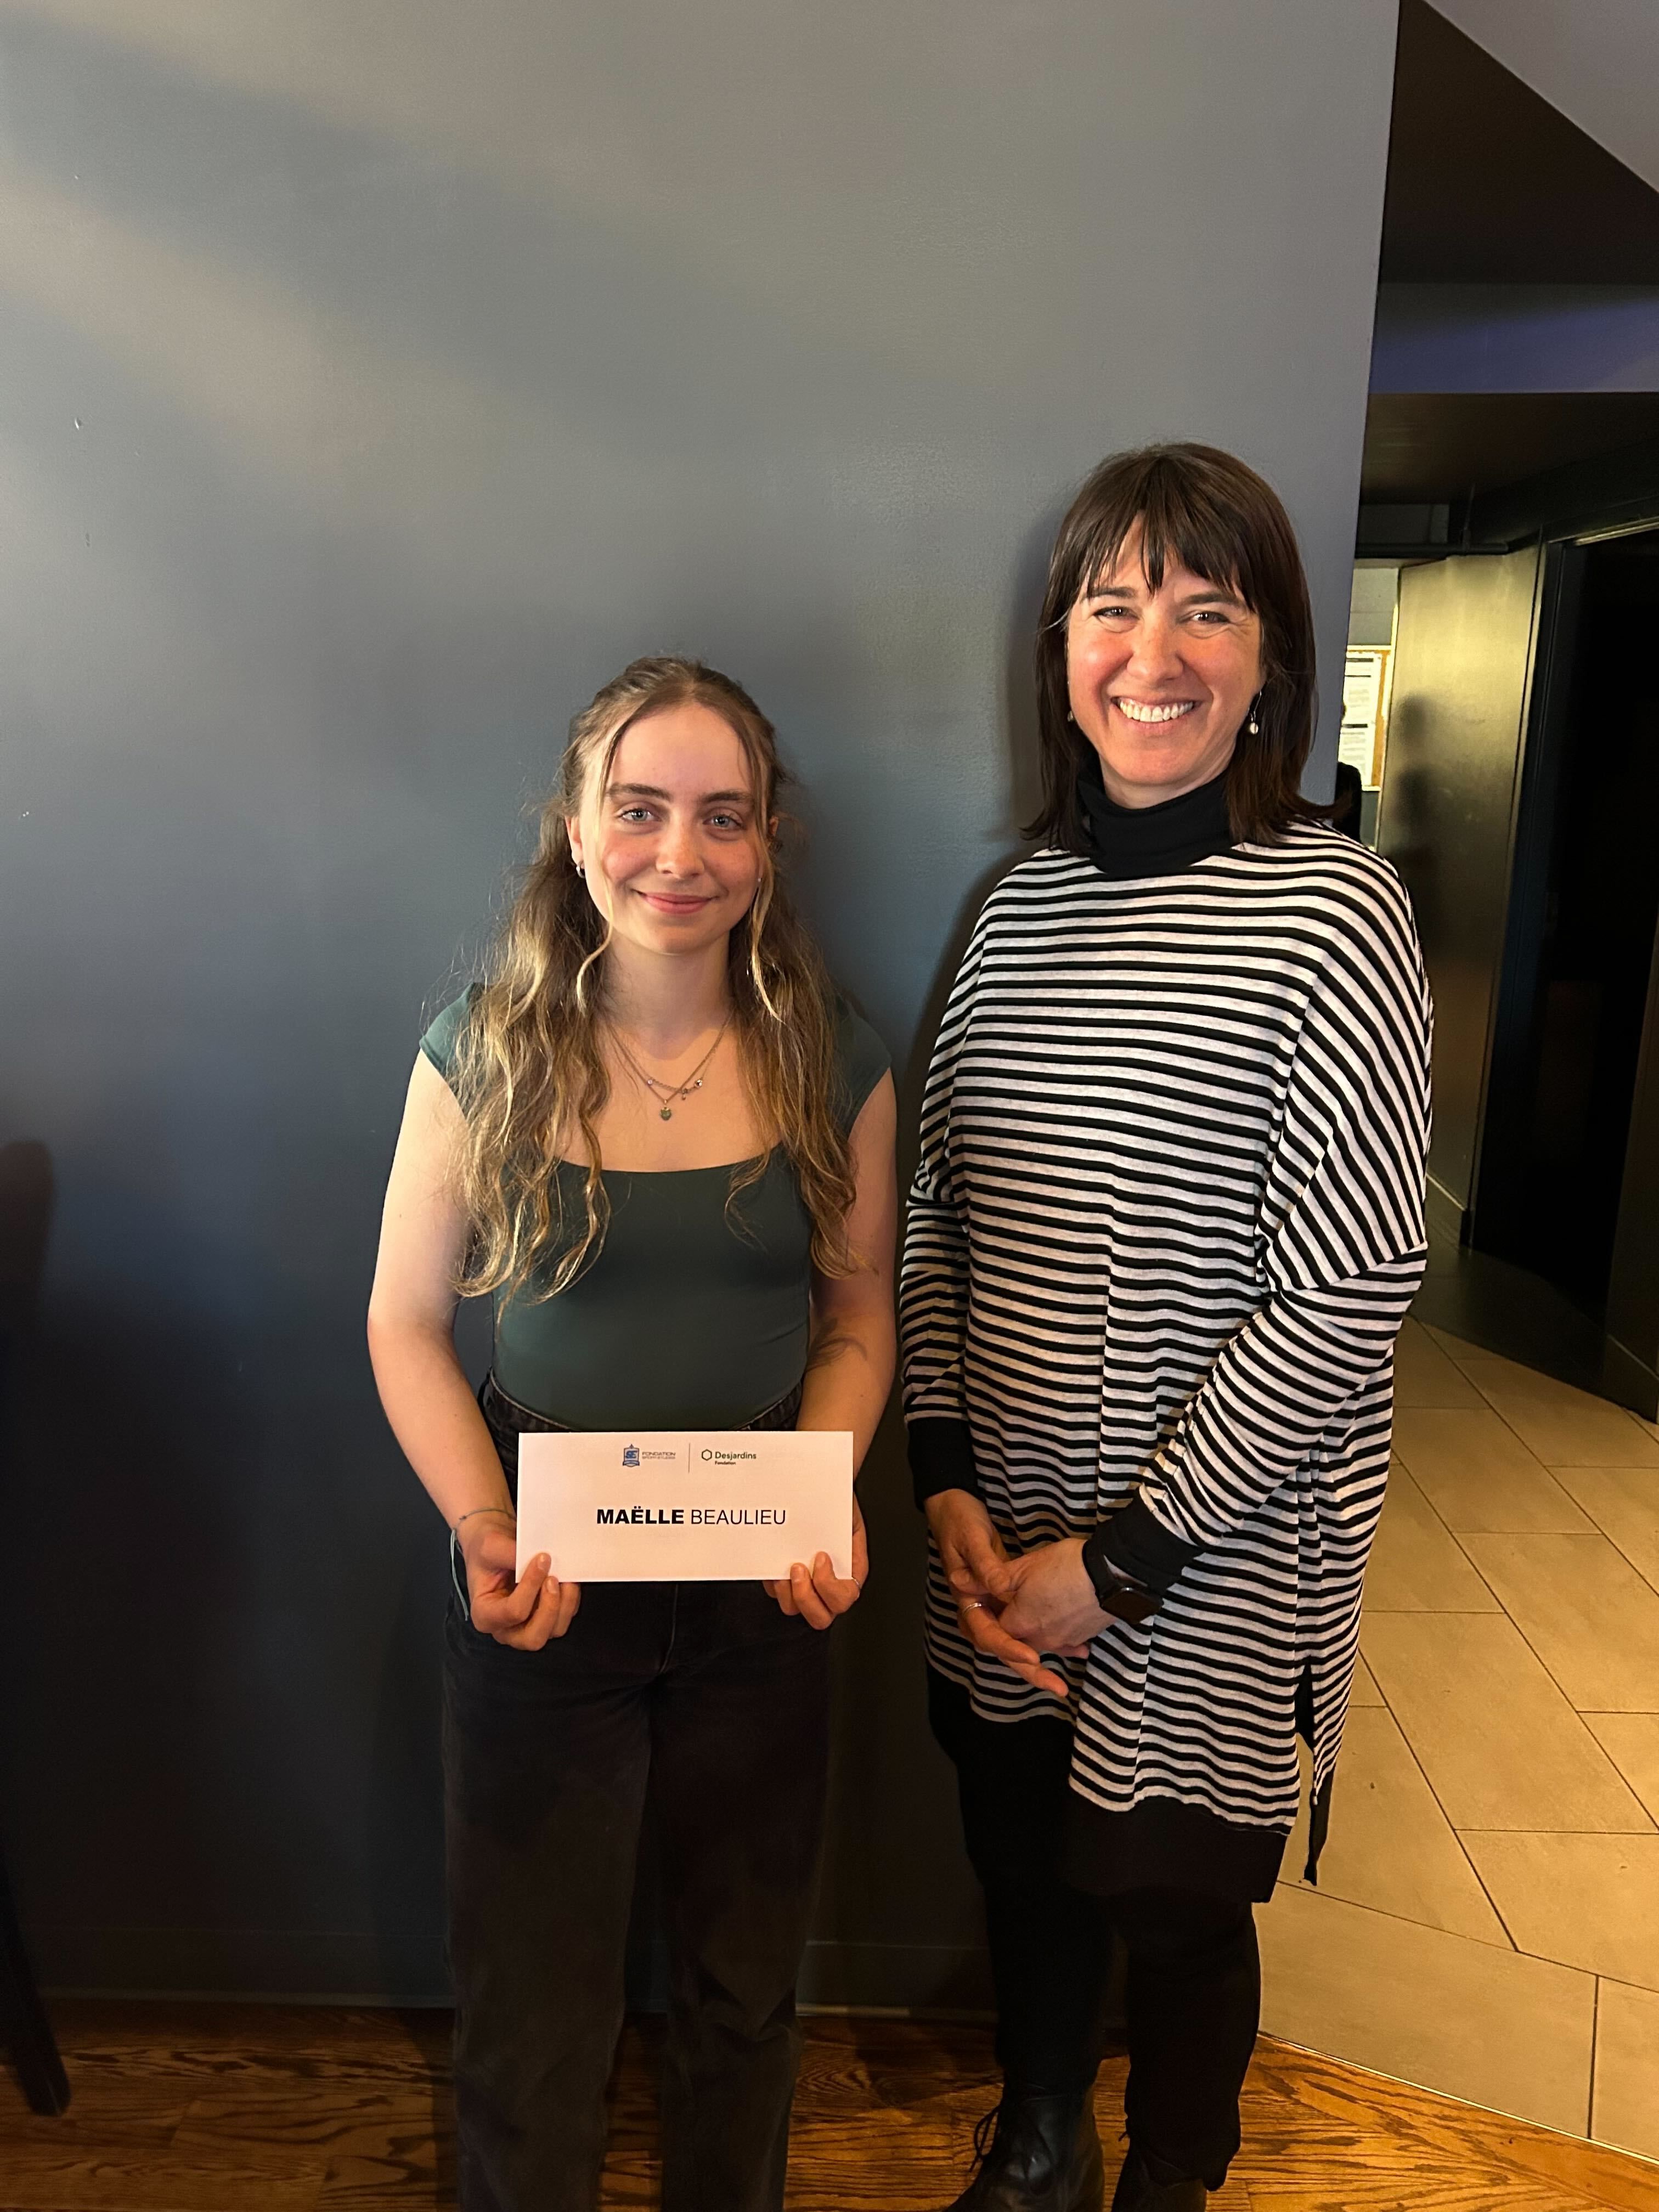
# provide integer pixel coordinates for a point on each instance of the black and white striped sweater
(1167, 1221)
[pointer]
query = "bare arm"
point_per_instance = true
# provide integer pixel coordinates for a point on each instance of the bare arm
(427, 1397)
(412, 1310)
(849, 1369)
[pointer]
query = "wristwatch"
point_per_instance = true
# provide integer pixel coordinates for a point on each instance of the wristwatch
(1116, 1593)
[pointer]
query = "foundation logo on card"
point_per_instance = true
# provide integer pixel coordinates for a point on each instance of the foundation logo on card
(632, 1455)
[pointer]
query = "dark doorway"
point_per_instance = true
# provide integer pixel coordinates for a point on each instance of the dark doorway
(1582, 935)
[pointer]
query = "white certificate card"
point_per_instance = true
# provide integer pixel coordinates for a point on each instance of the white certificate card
(724, 1506)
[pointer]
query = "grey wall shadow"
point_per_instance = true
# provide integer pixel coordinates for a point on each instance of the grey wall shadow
(27, 1192)
(961, 1983)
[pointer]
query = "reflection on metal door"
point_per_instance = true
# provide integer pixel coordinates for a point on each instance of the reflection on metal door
(1463, 672)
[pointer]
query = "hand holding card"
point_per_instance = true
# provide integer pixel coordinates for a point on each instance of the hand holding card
(731, 1505)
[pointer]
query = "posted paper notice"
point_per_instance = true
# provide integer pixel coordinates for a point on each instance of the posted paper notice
(721, 1506)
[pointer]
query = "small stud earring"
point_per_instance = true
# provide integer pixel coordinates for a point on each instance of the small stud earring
(581, 872)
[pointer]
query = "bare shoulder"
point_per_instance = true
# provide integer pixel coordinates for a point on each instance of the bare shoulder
(433, 1129)
(430, 1097)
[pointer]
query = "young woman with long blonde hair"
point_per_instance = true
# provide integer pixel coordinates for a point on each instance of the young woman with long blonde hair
(660, 1141)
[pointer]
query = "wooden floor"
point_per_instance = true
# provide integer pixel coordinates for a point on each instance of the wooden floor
(214, 2108)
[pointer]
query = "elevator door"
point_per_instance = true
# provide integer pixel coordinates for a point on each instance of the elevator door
(1559, 1125)
(1463, 672)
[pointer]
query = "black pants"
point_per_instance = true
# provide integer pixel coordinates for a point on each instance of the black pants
(702, 1705)
(1195, 1981)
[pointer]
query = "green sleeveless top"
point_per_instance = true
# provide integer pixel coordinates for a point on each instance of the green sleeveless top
(692, 1315)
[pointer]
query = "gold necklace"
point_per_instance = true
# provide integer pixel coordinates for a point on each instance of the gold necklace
(668, 1096)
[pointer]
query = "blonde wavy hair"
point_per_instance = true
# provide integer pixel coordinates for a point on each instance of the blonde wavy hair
(528, 1068)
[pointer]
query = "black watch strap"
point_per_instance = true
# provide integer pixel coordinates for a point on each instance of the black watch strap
(1114, 1593)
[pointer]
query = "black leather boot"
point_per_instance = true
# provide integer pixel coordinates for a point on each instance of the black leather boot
(1137, 2191)
(1043, 2156)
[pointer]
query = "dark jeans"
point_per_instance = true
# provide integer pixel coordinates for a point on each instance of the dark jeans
(1194, 1982)
(702, 1706)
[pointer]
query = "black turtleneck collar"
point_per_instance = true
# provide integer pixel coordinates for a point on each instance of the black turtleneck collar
(1126, 842)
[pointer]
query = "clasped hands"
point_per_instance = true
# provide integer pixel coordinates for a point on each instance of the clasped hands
(1015, 1610)
(526, 1611)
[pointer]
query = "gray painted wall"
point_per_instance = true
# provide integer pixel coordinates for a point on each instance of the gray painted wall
(383, 374)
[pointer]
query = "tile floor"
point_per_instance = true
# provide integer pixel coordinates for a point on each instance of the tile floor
(1486, 1921)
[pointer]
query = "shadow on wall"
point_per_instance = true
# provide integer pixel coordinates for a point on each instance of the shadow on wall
(1022, 766)
(27, 1196)
(166, 1664)
(863, 1952)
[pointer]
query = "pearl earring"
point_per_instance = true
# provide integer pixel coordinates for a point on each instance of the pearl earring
(1254, 727)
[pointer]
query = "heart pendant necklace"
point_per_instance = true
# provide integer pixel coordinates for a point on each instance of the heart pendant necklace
(668, 1096)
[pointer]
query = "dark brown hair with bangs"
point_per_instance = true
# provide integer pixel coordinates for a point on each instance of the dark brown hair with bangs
(1205, 509)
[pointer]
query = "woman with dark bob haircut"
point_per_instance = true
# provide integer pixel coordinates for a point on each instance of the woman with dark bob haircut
(1167, 1221)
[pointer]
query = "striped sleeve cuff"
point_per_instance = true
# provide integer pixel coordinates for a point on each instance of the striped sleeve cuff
(941, 1458)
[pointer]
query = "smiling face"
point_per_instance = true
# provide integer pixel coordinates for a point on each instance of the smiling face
(671, 847)
(1160, 682)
